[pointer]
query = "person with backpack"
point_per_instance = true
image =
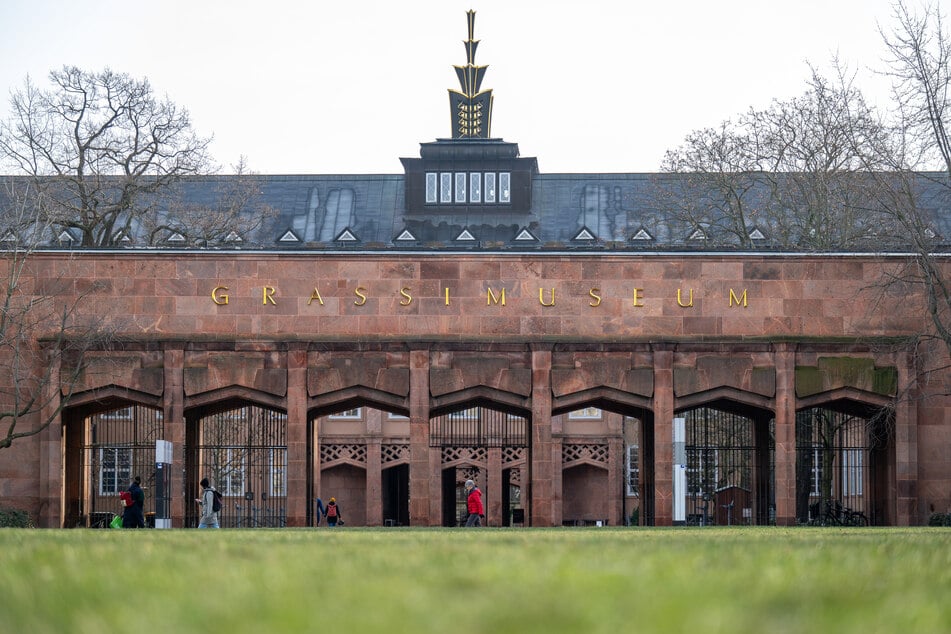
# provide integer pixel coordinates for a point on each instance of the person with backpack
(210, 504)
(474, 504)
(133, 515)
(332, 511)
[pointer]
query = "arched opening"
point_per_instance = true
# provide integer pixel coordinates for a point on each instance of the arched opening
(358, 453)
(107, 444)
(612, 432)
(730, 454)
(242, 449)
(490, 447)
(841, 465)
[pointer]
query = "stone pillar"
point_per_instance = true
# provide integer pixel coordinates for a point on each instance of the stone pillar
(423, 494)
(617, 488)
(493, 481)
(374, 491)
(51, 512)
(541, 468)
(297, 503)
(173, 418)
(663, 435)
(906, 443)
(557, 482)
(784, 360)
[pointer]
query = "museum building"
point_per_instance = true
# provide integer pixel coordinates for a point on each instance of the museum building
(383, 338)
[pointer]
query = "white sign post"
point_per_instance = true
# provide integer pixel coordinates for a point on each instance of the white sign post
(163, 487)
(680, 472)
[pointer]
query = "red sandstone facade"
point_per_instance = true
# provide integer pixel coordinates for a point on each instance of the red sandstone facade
(406, 338)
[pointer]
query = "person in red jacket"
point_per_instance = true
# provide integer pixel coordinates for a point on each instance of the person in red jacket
(474, 504)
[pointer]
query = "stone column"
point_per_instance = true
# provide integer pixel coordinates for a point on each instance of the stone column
(663, 435)
(617, 487)
(173, 417)
(423, 495)
(541, 467)
(374, 490)
(51, 512)
(906, 443)
(297, 503)
(493, 481)
(784, 360)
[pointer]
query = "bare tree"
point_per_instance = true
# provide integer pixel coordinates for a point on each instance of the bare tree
(919, 63)
(910, 196)
(790, 170)
(714, 195)
(99, 146)
(44, 341)
(234, 212)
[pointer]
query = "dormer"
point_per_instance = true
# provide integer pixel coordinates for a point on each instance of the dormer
(471, 170)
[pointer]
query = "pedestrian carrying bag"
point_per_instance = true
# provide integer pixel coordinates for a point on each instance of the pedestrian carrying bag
(116, 522)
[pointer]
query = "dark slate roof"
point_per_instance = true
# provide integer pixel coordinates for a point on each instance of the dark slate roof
(583, 212)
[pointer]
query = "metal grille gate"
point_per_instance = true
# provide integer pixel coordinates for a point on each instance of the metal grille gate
(730, 465)
(836, 455)
(478, 427)
(117, 446)
(243, 452)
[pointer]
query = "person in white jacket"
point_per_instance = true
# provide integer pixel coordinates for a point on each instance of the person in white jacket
(209, 519)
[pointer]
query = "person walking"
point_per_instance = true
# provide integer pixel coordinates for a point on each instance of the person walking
(133, 515)
(319, 511)
(332, 511)
(474, 504)
(209, 517)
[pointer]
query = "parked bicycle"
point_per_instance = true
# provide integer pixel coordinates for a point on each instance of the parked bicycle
(833, 513)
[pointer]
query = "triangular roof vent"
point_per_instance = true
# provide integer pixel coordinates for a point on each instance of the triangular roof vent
(756, 234)
(524, 235)
(346, 236)
(584, 235)
(233, 237)
(698, 234)
(289, 236)
(642, 235)
(465, 236)
(175, 237)
(405, 236)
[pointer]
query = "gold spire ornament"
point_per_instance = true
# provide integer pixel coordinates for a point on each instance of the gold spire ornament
(471, 110)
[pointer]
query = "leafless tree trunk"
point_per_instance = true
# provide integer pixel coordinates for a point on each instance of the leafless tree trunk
(43, 342)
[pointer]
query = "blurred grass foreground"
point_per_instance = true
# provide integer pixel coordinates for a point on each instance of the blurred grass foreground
(476, 580)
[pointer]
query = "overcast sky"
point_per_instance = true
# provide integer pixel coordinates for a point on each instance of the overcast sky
(341, 87)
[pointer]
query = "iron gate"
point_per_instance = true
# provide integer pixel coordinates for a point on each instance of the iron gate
(243, 452)
(730, 465)
(836, 476)
(117, 446)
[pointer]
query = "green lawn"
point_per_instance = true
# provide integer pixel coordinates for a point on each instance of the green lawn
(478, 580)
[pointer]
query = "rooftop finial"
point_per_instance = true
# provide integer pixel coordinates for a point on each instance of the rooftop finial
(471, 109)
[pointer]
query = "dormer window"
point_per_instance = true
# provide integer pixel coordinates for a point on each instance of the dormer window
(466, 188)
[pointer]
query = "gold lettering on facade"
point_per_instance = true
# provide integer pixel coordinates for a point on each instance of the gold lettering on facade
(637, 298)
(680, 299)
(597, 298)
(740, 301)
(359, 292)
(447, 296)
(491, 297)
(267, 295)
(315, 295)
(219, 298)
(541, 297)
(407, 298)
